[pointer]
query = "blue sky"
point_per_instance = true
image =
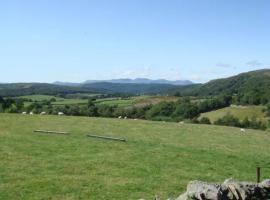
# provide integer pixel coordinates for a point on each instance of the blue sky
(199, 40)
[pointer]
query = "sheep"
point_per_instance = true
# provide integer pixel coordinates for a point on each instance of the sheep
(43, 113)
(242, 130)
(31, 113)
(125, 117)
(24, 113)
(120, 117)
(60, 113)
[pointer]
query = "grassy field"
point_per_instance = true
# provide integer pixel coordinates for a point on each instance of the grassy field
(239, 111)
(41, 97)
(158, 158)
(132, 101)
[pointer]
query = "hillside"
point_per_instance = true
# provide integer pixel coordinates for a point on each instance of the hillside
(158, 158)
(130, 88)
(241, 112)
(249, 86)
(20, 89)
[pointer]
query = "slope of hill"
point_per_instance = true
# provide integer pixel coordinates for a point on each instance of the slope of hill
(158, 158)
(249, 86)
(241, 112)
(19, 89)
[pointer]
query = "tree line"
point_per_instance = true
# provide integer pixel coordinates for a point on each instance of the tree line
(184, 109)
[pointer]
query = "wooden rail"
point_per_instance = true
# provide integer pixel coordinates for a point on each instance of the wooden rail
(107, 138)
(51, 132)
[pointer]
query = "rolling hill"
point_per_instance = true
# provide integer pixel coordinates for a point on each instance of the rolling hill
(130, 88)
(251, 87)
(20, 89)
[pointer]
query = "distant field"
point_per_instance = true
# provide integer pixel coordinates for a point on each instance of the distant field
(41, 97)
(147, 100)
(239, 111)
(70, 102)
(132, 101)
(158, 158)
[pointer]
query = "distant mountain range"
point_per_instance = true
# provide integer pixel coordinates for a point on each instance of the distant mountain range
(249, 85)
(126, 81)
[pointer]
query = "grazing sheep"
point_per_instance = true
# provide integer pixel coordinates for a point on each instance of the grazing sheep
(31, 113)
(24, 113)
(125, 117)
(120, 117)
(43, 113)
(242, 130)
(60, 113)
(157, 197)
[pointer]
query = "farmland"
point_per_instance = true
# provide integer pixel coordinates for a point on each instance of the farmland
(158, 158)
(113, 101)
(239, 111)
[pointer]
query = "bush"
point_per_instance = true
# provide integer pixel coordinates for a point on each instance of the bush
(228, 120)
(205, 120)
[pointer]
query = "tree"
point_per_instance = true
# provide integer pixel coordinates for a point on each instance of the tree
(268, 110)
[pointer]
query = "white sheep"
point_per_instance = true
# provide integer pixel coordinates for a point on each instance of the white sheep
(60, 113)
(120, 117)
(31, 113)
(242, 130)
(43, 113)
(24, 113)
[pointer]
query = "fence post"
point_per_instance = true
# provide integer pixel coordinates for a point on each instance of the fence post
(258, 174)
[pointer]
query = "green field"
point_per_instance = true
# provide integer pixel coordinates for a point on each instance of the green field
(128, 102)
(41, 97)
(158, 158)
(238, 111)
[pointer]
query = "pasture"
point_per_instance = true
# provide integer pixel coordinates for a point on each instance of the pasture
(113, 101)
(238, 111)
(158, 158)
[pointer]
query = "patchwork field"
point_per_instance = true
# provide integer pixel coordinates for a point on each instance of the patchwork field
(158, 158)
(125, 102)
(238, 111)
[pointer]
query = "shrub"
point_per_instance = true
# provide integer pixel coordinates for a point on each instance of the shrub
(228, 120)
(205, 120)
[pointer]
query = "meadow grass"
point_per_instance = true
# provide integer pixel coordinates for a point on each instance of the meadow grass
(158, 158)
(238, 111)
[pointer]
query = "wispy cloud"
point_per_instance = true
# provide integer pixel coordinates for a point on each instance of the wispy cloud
(254, 63)
(224, 65)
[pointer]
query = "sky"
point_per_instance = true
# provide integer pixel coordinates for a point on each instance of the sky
(74, 41)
